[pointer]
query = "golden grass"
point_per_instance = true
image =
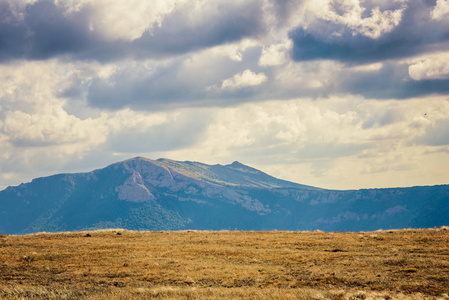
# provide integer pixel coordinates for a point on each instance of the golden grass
(119, 264)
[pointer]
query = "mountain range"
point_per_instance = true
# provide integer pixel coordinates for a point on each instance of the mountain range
(163, 194)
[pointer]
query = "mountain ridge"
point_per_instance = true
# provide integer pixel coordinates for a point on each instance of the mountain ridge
(163, 194)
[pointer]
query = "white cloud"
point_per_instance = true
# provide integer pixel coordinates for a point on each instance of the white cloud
(379, 23)
(350, 13)
(128, 119)
(123, 19)
(234, 51)
(275, 55)
(304, 76)
(441, 10)
(367, 68)
(245, 79)
(433, 66)
(52, 128)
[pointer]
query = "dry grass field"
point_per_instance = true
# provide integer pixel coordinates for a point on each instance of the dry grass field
(119, 264)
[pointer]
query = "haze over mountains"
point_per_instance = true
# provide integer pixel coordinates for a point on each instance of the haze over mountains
(164, 194)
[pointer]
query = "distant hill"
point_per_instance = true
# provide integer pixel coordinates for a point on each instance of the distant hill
(144, 194)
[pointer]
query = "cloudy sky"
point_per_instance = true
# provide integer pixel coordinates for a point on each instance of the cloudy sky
(338, 94)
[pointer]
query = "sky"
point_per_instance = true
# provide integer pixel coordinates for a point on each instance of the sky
(338, 94)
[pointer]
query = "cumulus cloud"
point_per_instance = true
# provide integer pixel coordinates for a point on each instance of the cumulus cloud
(350, 13)
(275, 55)
(246, 79)
(234, 51)
(125, 19)
(33, 117)
(434, 66)
(441, 10)
(191, 81)
(206, 33)
(100, 31)
(184, 31)
(391, 81)
(154, 85)
(342, 32)
(42, 30)
(52, 128)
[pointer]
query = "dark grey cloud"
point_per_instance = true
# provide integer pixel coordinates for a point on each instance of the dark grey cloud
(177, 34)
(161, 88)
(127, 89)
(175, 84)
(416, 33)
(392, 81)
(44, 30)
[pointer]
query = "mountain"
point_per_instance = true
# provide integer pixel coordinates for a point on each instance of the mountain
(163, 194)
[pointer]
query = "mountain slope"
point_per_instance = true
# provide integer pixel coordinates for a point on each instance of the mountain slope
(163, 194)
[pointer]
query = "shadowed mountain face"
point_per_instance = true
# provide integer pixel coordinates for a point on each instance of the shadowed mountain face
(163, 194)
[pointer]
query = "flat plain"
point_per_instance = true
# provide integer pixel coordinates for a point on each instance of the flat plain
(120, 264)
